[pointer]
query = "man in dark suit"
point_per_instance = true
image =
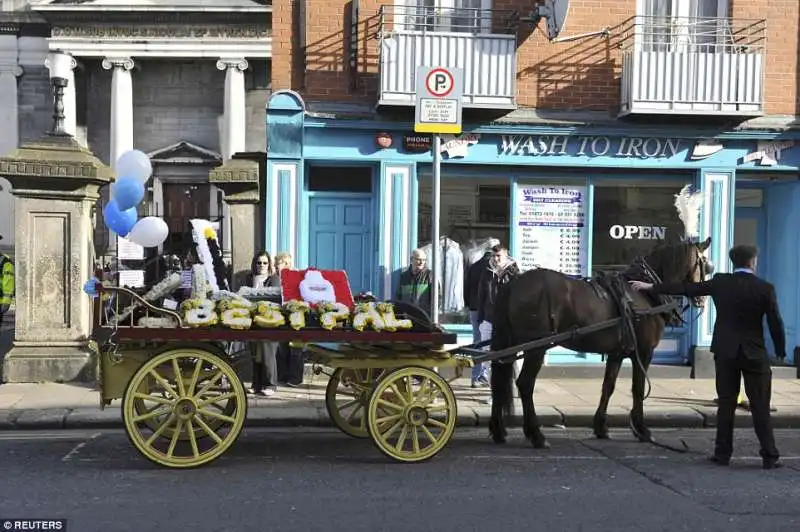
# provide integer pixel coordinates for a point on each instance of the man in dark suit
(741, 300)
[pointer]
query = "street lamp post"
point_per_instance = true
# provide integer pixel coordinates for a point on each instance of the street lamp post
(60, 66)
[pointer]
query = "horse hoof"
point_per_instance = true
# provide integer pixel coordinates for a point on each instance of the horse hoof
(499, 439)
(542, 444)
(601, 435)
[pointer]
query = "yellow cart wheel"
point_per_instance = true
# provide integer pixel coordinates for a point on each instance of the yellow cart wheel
(198, 432)
(143, 406)
(354, 387)
(412, 414)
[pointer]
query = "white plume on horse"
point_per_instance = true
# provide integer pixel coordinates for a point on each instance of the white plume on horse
(689, 205)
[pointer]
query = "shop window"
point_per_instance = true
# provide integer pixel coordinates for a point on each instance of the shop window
(340, 179)
(630, 219)
(472, 210)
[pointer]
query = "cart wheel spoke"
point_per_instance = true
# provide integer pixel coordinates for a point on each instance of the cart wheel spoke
(209, 384)
(209, 413)
(198, 366)
(164, 426)
(174, 441)
(178, 377)
(386, 404)
(437, 423)
(216, 399)
(208, 430)
(415, 439)
(153, 398)
(192, 438)
(164, 384)
(401, 439)
(430, 436)
(152, 414)
(387, 419)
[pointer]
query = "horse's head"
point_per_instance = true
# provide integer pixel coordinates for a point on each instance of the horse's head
(684, 262)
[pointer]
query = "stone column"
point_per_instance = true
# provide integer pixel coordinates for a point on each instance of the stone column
(239, 179)
(56, 186)
(233, 131)
(121, 130)
(9, 72)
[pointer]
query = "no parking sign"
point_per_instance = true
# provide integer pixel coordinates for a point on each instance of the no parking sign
(439, 94)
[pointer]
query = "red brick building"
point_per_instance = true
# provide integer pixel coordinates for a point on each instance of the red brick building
(629, 102)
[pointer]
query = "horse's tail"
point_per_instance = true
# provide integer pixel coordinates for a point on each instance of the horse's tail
(502, 376)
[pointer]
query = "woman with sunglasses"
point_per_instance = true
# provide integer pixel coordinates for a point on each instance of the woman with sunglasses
(265, 368)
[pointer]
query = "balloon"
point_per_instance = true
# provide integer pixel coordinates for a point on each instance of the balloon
(90, 287)
(136, 164)
(149, 232)
(119, 221)
(128, 191)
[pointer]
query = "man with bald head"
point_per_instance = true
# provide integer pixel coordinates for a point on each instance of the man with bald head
(415, 282)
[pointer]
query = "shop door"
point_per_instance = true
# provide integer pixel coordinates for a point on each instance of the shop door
(782, 246)
(341, 236)
(750, 229)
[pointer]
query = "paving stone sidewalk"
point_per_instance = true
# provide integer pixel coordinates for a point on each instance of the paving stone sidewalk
(673, 403)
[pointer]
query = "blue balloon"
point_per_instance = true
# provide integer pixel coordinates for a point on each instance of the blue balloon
(90, 287)
(119, 221)
(128, 191)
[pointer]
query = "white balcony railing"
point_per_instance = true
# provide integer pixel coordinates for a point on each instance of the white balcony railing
(711, 66)
(472, 39)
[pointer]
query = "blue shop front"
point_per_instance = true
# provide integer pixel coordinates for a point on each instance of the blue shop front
(356, 195)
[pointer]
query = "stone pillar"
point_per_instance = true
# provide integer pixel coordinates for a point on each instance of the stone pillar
(239, 179)
(233, 131)
(9, 72)
(56, 186)
(121, 129)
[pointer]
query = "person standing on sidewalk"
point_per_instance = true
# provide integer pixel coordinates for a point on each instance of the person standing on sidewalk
(415, 283)
(6, 284)
(472, 283)
(265, 367)
(499, 271)
(742, 300)
(290, 360)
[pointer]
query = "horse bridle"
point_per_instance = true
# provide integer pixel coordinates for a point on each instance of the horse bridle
(705, 266)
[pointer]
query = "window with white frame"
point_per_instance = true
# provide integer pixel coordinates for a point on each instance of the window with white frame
(466, 16)
(682, 25)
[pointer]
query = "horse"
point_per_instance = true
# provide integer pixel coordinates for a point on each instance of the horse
(541, 302)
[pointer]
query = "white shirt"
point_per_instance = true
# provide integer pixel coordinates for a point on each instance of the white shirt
(451, 265)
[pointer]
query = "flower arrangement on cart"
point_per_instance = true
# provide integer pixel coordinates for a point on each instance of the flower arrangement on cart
(165, 350)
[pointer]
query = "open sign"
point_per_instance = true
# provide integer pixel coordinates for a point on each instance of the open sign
(637, 232)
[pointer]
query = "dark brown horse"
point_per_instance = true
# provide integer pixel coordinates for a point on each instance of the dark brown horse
(541, 303)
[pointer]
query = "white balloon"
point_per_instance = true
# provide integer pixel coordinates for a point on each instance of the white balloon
(134, 163)
(149, 232)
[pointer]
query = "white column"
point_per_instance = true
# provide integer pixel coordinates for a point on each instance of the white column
(9, 108)
(233, 131)
(121, 131)
(234, 120)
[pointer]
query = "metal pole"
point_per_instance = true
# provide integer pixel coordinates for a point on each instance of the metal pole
(436, 204)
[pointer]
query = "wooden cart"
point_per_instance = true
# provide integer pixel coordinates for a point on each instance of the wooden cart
(184, 403)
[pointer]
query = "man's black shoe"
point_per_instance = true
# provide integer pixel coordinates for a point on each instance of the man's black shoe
(771, 463)
(719, 460)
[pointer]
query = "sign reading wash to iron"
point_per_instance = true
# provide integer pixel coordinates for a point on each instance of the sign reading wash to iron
(579, 145)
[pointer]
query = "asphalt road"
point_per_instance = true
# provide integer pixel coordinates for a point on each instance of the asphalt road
(320, 480)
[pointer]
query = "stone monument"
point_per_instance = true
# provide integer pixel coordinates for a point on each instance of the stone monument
(56, 185)
(239, 179)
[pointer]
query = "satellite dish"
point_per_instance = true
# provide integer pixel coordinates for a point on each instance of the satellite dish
(555, 13)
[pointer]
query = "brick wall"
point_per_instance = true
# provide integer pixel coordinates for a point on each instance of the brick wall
(578, 75)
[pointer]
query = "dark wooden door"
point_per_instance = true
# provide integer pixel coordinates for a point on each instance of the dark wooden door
(183, 202)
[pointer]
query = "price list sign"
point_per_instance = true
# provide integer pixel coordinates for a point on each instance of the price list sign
(551, 228)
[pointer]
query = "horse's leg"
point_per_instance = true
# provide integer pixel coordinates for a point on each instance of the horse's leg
(637, 390)
(502, 382)
(526, 382)
(600, 422)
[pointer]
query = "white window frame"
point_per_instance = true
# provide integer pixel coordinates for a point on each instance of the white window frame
(443, 9)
